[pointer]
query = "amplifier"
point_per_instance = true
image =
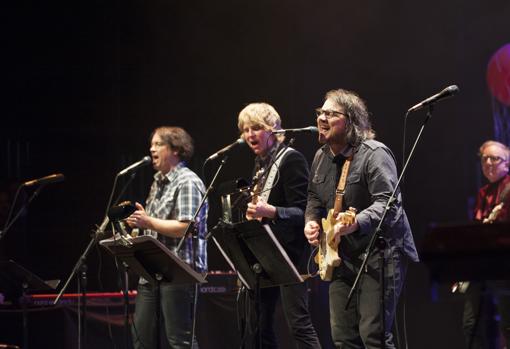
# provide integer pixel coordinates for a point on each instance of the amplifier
(220, 282)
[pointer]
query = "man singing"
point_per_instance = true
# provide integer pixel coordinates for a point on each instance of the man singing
(279, 202)
(346, 134)
(174, 197)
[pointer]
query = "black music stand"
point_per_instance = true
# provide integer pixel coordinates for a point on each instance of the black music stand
(246, 244)
(149, 258)
(16, 282)
(253, 251)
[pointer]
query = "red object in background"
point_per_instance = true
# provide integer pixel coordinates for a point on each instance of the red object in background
(498, 75)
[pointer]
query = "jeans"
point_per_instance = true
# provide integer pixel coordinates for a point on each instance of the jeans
(359, 326)
(176, 309)
(294, 299)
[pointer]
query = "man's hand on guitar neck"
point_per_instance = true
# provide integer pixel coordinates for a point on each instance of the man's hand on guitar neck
(312, 230)
(260, 210)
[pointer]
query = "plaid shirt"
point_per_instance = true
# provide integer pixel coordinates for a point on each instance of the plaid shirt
(177, 195)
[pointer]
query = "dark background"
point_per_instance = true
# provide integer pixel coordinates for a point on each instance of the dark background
(84, 84)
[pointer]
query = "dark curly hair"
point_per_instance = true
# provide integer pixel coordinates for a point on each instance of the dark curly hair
(359, 127)
(177, 139)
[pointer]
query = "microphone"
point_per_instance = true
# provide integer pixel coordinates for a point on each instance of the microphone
(308, 129)
(226, 149)
(115, 214)
(447, 92)
(145, 161)
(53, 178)
(121, 211)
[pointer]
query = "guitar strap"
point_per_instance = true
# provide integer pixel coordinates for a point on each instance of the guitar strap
(340, 189)
(268, 185)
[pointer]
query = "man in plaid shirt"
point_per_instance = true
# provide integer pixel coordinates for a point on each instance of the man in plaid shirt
(173, 199)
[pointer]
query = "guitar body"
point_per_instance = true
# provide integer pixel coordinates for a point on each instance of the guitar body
(327, 258)
(494, 213)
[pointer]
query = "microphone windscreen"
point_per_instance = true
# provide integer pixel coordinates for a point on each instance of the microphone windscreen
(121, 211)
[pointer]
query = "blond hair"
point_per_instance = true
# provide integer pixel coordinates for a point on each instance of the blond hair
(262, 114)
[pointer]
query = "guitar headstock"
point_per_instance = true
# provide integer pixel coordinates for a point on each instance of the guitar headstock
(348, 216)
(255, 191)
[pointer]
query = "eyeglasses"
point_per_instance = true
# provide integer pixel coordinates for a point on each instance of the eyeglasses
(329, 113)
(494, 159)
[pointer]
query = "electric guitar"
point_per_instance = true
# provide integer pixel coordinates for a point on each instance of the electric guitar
(255, 192)
(327, 258)
(493, 215)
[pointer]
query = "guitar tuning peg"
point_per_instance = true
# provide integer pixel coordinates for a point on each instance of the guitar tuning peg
(353, 209)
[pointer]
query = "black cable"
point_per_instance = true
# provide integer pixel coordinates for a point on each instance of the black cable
(101, 289)
(10, 223)
(404, 146)
(404, 289)
(194, 314)
(308, 264)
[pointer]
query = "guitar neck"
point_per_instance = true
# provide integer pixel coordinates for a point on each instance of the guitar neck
(337, 207)
(257, 188)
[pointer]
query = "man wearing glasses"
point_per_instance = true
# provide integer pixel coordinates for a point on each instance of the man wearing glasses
(494, 157)
(347, 136)
(492, 205)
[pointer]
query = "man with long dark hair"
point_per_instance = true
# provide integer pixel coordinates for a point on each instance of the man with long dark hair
(370, 177)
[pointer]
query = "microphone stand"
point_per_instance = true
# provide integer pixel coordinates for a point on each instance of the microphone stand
(9, 224)
(125, 289)
(378, 239)
(82, 267)
(191, 224)
(194, 237)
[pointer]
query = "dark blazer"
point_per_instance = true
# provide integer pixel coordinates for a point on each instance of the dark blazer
(289, 195)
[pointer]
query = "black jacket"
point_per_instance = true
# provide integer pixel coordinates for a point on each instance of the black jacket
(371, 180)
(289, 195)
